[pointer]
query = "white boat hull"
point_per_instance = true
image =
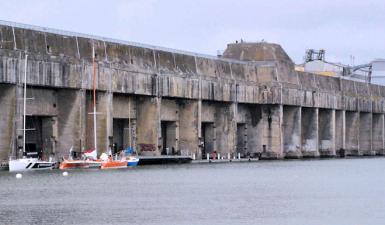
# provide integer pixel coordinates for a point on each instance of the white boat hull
(27, 164)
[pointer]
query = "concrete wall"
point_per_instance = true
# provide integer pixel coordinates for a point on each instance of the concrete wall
(252, 95)
(225, 125)
(71, 119)
(365, 135)
(378, 134)
(253, 129)
(326, 132)
(7, 120)
(309, 132)
(292, 131)
(352, 132)
(339, 130)
(148, 126)
(189, 127)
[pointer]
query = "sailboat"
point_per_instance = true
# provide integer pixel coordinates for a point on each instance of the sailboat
(89, 161)
(90, 156)
(131, 159)
(108, 161)
(25, 163)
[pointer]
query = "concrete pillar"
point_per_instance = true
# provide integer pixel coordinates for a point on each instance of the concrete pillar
(326, 132)
(309, 132)
(189, 127)
(365, 134)
(225, 124)
(232, 138)
(7, 121)
(148, 125)
(339, 131)
(71, 121)
(272, 138)
(256, 126)
(292, 131)
(378, 134)
(352, 124)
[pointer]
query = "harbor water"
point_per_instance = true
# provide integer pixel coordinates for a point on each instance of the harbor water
(333, 191)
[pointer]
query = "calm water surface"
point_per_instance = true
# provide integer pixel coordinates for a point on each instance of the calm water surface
(349, 191)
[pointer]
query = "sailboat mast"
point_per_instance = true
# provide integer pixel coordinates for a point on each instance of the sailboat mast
(94, 93)
(129, 123)
(24, 100)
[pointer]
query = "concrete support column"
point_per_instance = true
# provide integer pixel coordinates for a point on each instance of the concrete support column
(189, 127)
(378, 134)
(352, 124)
(225, 124)
(257, 125)
(309, 130)
(365, 134)
(148, 125)
(272, 137)
(7, 121)
(232, 142)
(326, 132)
(292, 131)
(71, 122)
(339, 131)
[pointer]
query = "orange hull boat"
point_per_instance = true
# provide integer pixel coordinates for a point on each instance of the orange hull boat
(115, 164)
(79, 164)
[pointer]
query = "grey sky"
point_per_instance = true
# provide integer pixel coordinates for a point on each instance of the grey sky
(342, 27)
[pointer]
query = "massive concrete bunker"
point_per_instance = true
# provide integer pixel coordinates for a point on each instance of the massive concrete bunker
(167, 102)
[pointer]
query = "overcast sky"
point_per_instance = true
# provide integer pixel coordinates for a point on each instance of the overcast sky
(341, 27)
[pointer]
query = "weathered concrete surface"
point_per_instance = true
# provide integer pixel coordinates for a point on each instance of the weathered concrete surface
(249, 101)
(292, 131)
(326, 132)
(7, 119)
(309, 130)
(148, 126)
(339, 131)
(251, 129)
(365, 135)
(272, 117)
(188, 127)
(352, 132)
(378, 133)
(71, 121)
(225, 128)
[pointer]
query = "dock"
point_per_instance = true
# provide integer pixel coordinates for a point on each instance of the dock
(164, 159)
(226, 160)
